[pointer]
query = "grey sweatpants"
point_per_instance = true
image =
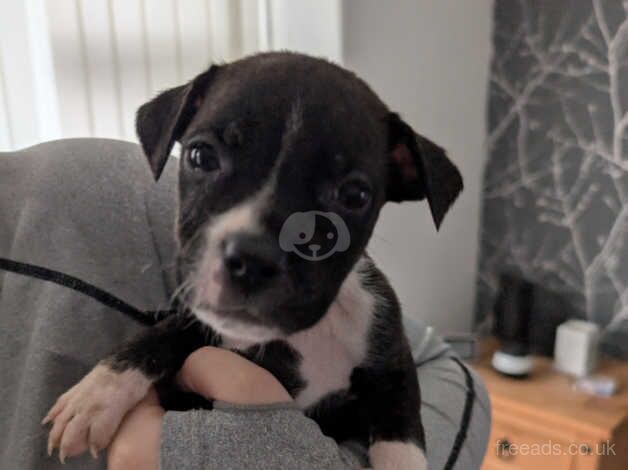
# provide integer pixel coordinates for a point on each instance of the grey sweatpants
(88, 208)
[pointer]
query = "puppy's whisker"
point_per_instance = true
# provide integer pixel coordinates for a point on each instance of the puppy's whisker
(188, 284)
(193, 239)
(381, 239)
(192, 321)
(172, 264)
(259, 355)
(225, 308)
(180, 288)
(208, 332)
(183, 289)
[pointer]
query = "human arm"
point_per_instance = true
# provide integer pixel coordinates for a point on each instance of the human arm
(254, 421)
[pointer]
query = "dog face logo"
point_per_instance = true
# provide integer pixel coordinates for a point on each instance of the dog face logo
(314, 235)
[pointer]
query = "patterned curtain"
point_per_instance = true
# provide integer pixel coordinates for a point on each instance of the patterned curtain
(555, 207)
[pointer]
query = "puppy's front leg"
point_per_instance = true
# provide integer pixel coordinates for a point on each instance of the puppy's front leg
(88, 414)
(392, 407)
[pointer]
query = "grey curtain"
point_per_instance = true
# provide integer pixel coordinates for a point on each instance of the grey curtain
(555, 205)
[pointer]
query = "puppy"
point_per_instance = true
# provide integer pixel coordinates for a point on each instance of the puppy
(285, 164)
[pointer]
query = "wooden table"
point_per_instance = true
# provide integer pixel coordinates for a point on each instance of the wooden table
(542, 423)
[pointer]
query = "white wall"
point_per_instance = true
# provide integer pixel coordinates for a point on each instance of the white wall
(310, 26)
(429, 60)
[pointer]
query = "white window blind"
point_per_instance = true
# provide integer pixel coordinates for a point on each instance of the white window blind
(76, 68)
(110, 56)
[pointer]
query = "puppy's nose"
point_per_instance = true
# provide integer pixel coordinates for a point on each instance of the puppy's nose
(251, 261)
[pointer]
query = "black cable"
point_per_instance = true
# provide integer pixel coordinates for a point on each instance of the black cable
(461, 436)
(74, 283)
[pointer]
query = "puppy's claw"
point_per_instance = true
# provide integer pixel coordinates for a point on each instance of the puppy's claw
(56, 409)
(102, 397)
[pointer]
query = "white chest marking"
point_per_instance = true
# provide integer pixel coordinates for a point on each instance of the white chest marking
(336, 344)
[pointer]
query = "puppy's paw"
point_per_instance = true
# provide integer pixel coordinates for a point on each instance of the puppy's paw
(396, 455)
(88, 415)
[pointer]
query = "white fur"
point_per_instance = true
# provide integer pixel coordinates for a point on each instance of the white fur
(236, 334)
(241, 218)
(88, 414)
(396, 455)
(209, 276)
(336, 344)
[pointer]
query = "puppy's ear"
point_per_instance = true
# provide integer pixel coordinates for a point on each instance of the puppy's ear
(163, 120)
(418, 169)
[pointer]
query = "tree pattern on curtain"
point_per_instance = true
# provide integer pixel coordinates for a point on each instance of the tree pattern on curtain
(556, 184)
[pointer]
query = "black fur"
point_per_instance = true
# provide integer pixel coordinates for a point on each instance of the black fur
(431, 174)
(176, 106)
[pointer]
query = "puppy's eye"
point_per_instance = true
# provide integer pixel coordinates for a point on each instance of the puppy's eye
(203, 157)
(354, 194)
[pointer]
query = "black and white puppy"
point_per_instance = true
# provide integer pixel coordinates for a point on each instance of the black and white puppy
(286, 162)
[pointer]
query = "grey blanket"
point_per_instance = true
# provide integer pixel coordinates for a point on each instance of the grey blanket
(89, 208)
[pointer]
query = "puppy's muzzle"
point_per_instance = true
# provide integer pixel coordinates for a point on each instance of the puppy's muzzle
(251, 262)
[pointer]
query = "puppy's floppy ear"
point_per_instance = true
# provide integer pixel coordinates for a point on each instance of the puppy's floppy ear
(418, 169)
(163, 120)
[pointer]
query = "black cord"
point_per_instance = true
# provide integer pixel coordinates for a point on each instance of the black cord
(461, 436)
(74, 283)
